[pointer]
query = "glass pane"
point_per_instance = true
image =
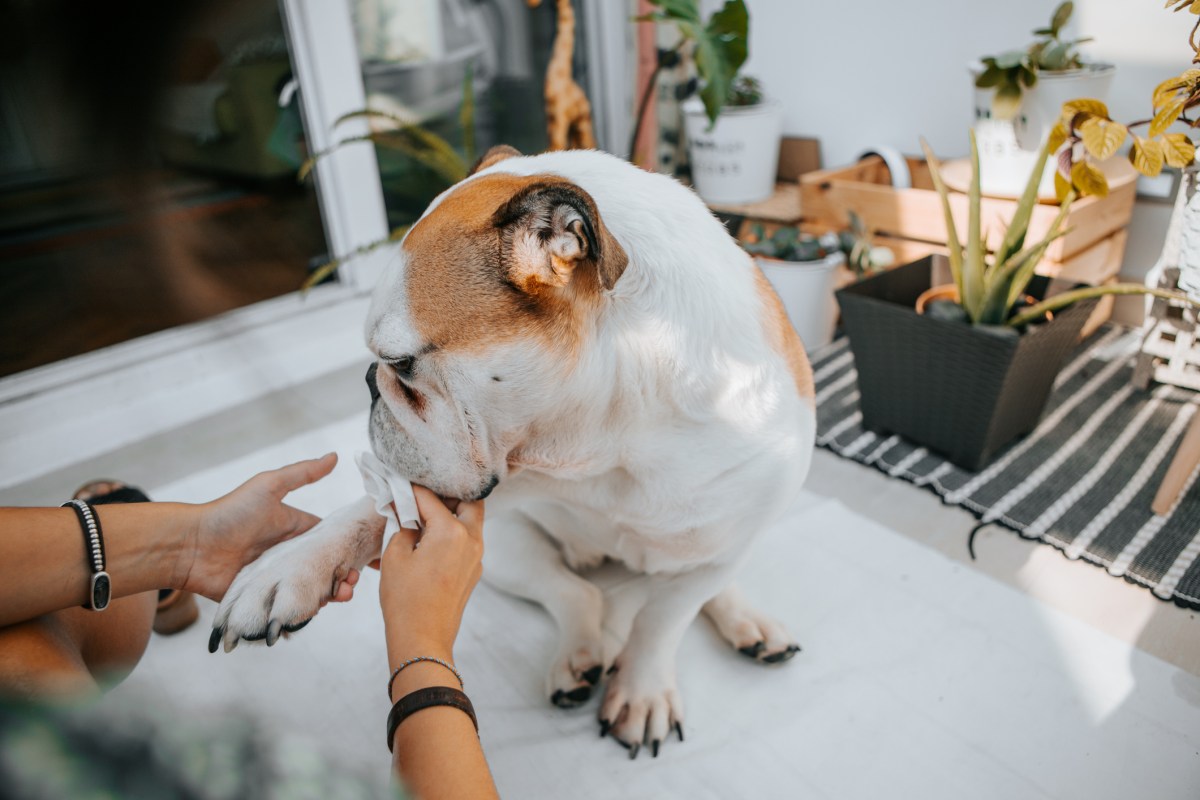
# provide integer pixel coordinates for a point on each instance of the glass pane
(420, 59)
(147, 172)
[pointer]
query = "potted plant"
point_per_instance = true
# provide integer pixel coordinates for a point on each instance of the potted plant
(1018, 95)
(734, 157)
(805, 270)
(733, 131)
(970, 375)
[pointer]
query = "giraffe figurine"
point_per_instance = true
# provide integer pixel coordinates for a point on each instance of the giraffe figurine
(568, 113)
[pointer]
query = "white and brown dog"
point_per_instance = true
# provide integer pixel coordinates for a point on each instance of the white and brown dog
(585, 339)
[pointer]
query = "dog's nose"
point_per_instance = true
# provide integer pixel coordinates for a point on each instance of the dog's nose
(371, 385)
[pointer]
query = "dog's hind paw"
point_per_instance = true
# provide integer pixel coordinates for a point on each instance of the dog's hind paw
(752, 633)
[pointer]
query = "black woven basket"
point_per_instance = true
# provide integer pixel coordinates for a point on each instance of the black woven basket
(960, 390)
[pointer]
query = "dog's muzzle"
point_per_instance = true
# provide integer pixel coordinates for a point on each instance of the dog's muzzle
(371, 385)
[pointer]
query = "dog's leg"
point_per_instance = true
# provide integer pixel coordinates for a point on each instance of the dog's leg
(753, 633)
(642, 703)
(523, 561)
(287, 585)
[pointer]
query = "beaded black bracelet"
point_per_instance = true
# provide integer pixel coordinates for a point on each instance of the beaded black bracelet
(427, 698)
(101, 585)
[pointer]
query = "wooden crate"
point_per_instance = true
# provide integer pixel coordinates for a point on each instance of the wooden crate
(916, 214)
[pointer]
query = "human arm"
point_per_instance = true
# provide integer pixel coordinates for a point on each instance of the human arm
(44, 565)
(423, 592)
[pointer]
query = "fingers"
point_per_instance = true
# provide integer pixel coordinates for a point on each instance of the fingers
(471, 515)
(432, 509)
(293, 476)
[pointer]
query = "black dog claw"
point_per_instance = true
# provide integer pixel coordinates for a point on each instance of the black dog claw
(297, 626)
(679, 730)
(753, 650)
(214, 640)
(633, 751)
(592, 676)
(604, 726)
(580, 695)
(782, 655)
(654, 747)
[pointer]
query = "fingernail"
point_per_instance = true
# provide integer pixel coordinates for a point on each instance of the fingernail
(214, 640)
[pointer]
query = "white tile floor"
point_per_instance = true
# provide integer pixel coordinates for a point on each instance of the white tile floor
(1022, 675)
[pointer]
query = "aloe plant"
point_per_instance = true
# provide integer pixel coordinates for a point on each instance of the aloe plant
(990, 286)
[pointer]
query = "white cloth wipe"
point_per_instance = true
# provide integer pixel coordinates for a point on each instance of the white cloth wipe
(388, 489)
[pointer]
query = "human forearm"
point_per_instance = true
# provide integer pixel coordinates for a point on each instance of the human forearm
(47, 563)
(436, 751)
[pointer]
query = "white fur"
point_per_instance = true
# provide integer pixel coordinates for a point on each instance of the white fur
(672, 442)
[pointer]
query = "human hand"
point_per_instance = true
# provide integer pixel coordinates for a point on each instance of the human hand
(234, 530)
(426, 578)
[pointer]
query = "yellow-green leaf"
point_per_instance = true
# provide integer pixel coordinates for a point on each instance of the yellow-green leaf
(1062, 187)
(1058, 135)
(1085, 105)
(1006, 101)
(1165, 116)
(1147, 156)
(1178, 150)
(1088, 179)
(1102, 137)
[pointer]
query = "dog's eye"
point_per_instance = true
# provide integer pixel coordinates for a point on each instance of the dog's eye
(403, 366)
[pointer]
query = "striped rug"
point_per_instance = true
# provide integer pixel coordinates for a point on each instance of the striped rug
(1082, 481)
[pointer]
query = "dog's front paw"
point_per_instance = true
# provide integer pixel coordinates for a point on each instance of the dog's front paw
(281, 591)
(641, 706)
(575, 673)
(751, 632)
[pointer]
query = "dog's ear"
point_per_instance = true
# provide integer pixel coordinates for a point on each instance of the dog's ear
(550, 230)
(494, 155)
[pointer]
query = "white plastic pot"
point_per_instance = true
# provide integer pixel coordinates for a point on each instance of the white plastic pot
(1008, 149)
(806, 289)
(737, 160)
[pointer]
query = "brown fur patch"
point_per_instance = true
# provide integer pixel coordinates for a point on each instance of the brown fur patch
(461, 296)
(783, 336)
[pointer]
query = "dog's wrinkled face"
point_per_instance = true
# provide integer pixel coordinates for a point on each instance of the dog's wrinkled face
(474, 328)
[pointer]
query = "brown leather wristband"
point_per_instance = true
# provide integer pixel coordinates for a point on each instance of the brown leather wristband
(427, 698)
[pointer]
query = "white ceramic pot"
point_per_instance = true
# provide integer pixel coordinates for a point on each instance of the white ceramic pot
(737, 160)
(806, 289)
(1008, 149)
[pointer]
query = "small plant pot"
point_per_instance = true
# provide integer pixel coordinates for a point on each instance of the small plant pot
(1008, 148)
(806, 289)
(963, 391)
(737, 160)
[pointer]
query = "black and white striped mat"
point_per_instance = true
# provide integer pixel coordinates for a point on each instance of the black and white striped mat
(1083, 481)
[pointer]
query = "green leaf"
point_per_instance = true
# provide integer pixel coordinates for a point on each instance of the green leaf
(1010, 59)
(1147, 156)
(1061, 15)
(1007, 101)
(1014, 237)
(721, 49)
(1102, 137)
(989, 77)
(1178, 149)
(1027, 76)
(1065, 299)
(952, 244)
(1055, 56)
(686, 10)
(974, 265)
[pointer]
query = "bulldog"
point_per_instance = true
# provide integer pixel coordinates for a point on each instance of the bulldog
(583, 343)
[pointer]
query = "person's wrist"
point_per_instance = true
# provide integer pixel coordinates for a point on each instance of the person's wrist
(404, 645)
(190, 517)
